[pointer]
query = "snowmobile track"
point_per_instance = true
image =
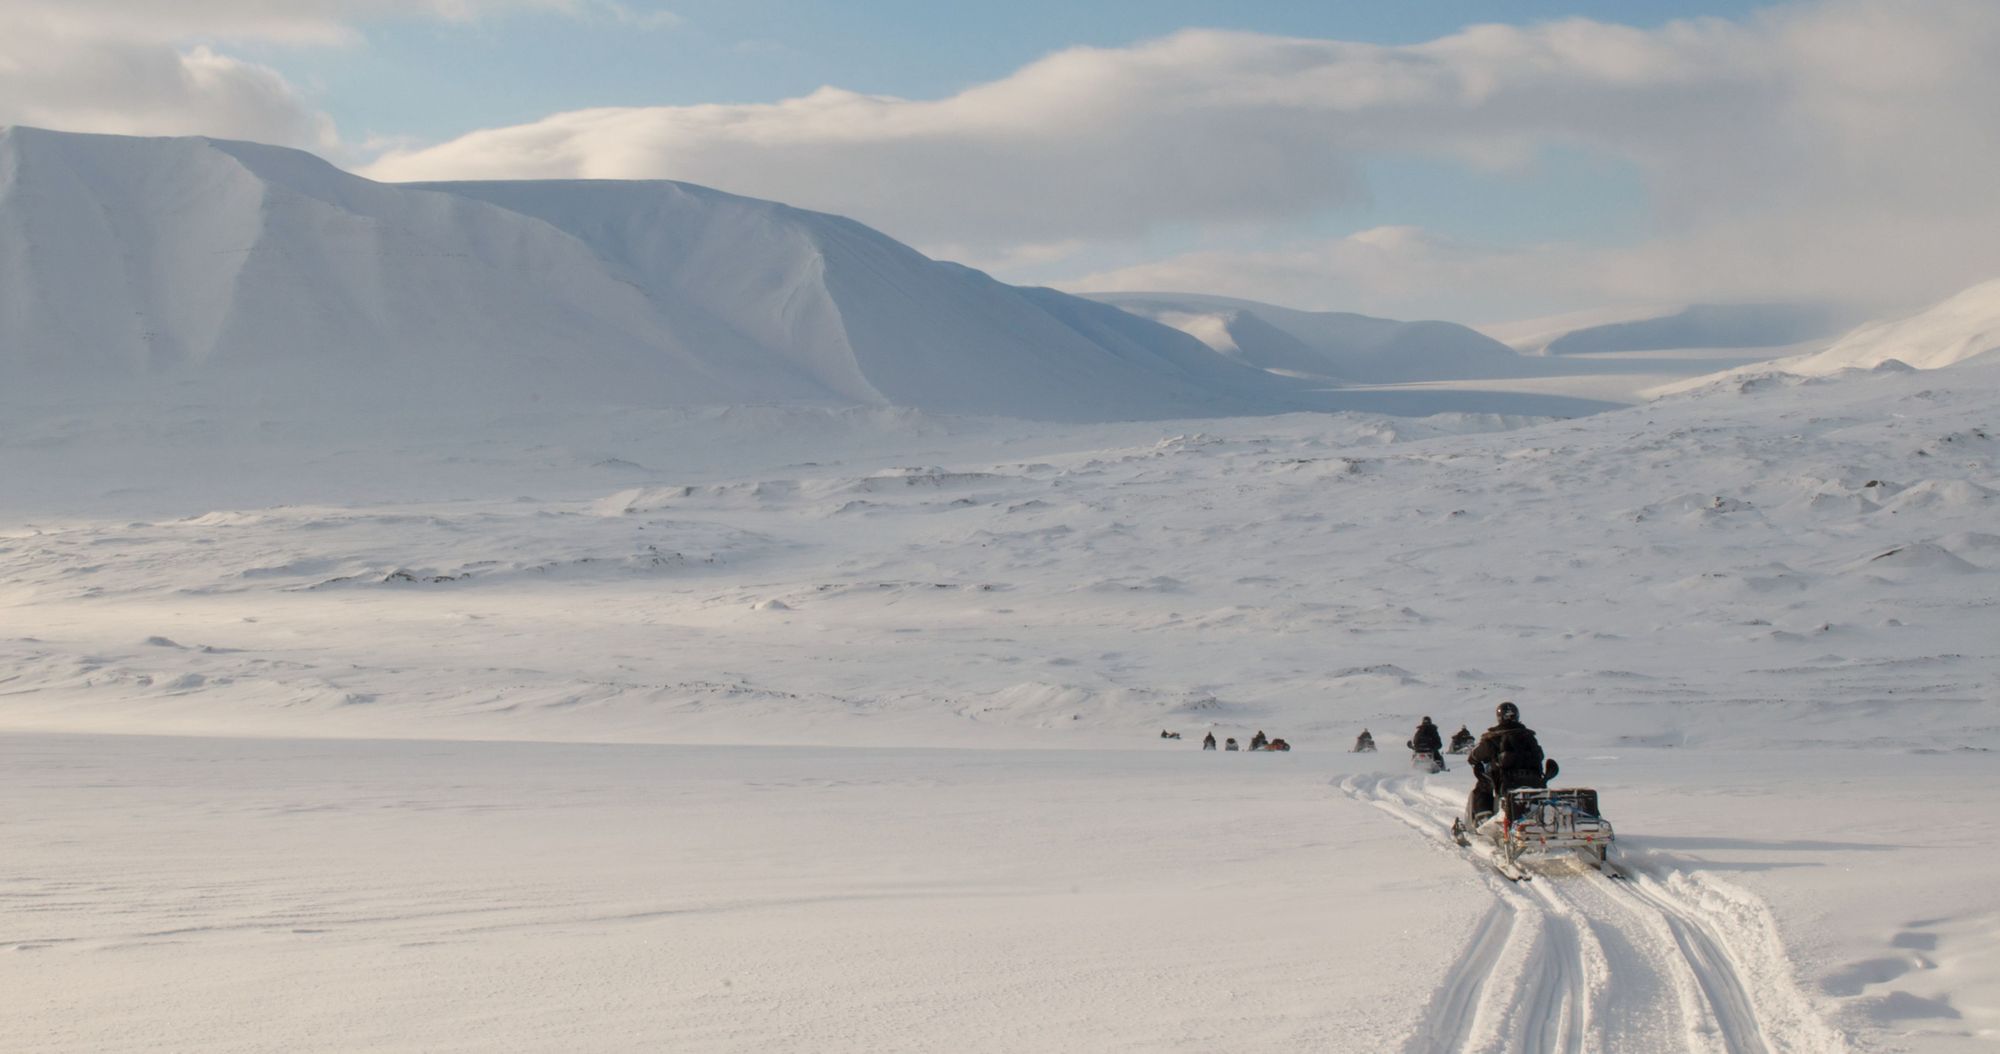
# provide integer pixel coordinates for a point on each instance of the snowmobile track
(1458, 999)
(1581, 963)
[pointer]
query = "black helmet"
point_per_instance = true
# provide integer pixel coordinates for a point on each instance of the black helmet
(1426, 720)
(1507, 712)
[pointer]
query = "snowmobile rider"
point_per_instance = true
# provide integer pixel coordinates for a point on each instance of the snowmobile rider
(1363, 743)
(1257, 741)
(1428, 739)
(1229, 744)
(1461, 740)
(1208, 741)
(1508, 757)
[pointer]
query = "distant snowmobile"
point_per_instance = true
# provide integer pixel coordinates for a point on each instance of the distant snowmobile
(1363, 743)
(1426, 748)
(1462, 740)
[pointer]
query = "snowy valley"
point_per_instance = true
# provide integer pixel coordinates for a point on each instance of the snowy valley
(626, 616)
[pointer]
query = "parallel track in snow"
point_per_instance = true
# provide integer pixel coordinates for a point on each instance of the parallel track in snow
(1574, 962)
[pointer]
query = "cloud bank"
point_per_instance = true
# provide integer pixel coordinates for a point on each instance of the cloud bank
(1842, 148)
(156, 67)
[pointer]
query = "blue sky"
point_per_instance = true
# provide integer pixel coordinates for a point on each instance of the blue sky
(1376, 156)
(433, 80)
(426, 81)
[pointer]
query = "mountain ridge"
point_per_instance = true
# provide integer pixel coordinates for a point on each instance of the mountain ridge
(251, 271)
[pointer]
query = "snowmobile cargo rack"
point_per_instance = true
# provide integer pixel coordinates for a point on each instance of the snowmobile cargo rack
(1552, 821)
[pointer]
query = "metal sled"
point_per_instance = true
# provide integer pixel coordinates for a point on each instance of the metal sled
(1543, 822)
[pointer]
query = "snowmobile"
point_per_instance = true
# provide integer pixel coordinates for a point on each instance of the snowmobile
(1542, 822)
(1427, 761)
(1462, 740)
(1363, 744)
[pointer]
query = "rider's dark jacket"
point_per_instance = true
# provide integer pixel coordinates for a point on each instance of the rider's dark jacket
(1427, 739)
(1510, 755)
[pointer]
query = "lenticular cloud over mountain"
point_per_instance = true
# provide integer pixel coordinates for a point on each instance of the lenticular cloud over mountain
(200, 267)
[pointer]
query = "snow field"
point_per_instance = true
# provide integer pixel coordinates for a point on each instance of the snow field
(173, 893)
(1759, 617)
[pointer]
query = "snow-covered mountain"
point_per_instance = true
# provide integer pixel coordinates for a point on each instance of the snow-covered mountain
(1960, 328)
(233, 271)
(1951, 332)
(1334, 345)
(1656, 329)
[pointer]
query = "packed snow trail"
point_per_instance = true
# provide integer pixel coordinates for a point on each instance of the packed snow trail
(1662, 962)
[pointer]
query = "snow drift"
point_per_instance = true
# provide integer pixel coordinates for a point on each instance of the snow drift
(225, 271)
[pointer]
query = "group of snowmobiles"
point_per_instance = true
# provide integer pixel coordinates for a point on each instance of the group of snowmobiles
(1512, 811)
(1257, 742)
(1426, 747)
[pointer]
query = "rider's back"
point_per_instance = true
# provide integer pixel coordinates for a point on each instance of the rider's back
(1510, 750)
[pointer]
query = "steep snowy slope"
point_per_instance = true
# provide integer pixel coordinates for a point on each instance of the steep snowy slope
(1326, 344)
(1951, 332)
(238, 272)
(1963, 327)
(875, 319)
(129, 266)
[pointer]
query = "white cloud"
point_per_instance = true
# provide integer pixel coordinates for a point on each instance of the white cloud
(152, 67)
(1403, 271)
(1842, 147)
(293, 21)
(147, 89)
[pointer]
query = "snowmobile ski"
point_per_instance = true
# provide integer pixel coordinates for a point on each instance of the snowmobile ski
(1487, 854)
